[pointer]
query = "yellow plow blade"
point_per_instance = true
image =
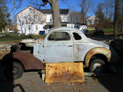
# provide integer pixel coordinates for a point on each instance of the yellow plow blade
(64, 72)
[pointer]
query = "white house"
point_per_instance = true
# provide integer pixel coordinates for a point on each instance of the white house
(81, 27)
(35, 21)
(92, 20)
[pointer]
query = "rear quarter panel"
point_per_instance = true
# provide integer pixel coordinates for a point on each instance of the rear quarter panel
(27, 59)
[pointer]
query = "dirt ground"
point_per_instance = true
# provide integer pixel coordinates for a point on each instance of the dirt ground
(32, 82)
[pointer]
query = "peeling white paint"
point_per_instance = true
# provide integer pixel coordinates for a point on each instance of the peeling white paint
(52, 51)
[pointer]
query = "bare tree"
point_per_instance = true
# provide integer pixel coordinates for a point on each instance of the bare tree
(14, 20)
(120, 16)
(99, 12)
(75, 17)
(116, 17)
(85, 6)
(109, 10)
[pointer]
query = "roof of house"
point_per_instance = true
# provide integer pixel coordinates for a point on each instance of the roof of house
(48, 11)
(92, 17)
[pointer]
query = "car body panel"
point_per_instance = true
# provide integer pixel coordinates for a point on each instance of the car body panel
(59, 51)
(97, 50)
(27, 59)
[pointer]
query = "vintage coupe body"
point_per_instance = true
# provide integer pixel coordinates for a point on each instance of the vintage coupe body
(61, 45)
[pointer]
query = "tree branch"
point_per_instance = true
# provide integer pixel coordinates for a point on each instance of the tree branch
(13, 7)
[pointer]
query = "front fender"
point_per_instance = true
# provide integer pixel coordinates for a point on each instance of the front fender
(97, 50)
(27, 59)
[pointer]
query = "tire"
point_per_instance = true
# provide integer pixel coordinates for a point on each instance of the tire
(13, 70)
(102, 34)
(97, 65)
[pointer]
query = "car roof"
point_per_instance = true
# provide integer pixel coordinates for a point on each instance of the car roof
(66, 29)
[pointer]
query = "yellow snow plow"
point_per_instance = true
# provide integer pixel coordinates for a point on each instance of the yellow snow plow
(64, 72)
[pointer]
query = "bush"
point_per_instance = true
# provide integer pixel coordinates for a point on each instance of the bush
(103, 25)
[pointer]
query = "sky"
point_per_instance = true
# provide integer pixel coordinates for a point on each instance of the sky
(73, 5)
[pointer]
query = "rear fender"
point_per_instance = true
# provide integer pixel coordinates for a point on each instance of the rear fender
(97, 50)
(27, 59)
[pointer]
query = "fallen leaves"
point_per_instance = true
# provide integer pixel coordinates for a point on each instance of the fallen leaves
(87, 88)
(96, 80)
(23, 81)
(46, 87)
(34, 85)
(74, 88)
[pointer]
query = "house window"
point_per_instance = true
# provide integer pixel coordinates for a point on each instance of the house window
(28, 27)
(22, 22)
(51, 18)
(30, 10)
(29, 18)
(36, 27)
(90, 22)
(36, 18)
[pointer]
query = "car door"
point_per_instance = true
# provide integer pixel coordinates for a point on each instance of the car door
(58, 47)
(81, 46)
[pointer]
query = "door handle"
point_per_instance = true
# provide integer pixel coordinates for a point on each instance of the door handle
(69, 45)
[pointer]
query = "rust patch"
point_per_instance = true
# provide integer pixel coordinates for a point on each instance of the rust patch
(77, 51)
(27, 59)
(64, 72)
(94, 51)
(77, 57)
(68, 76)
(38, 40)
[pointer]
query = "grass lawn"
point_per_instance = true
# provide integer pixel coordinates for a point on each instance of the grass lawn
(15, 38)
(106, 30)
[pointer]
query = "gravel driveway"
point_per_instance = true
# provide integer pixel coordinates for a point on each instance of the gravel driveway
(31, 82)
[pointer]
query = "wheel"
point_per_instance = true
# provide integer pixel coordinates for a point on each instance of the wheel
(13, 70)
(97, 65)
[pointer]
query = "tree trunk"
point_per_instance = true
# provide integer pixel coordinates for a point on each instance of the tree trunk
(122, 25)
(122, 19)
(116, 18)
(55, 13)
(2, 30)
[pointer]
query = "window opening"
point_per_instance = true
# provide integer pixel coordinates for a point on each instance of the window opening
(76, 36)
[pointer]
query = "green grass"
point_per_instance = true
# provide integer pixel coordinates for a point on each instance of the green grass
(106, 30)
(15, 38)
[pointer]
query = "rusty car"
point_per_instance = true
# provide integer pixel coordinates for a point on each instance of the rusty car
(61, 45)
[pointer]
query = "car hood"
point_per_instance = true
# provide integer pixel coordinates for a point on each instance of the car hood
(98, 43)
